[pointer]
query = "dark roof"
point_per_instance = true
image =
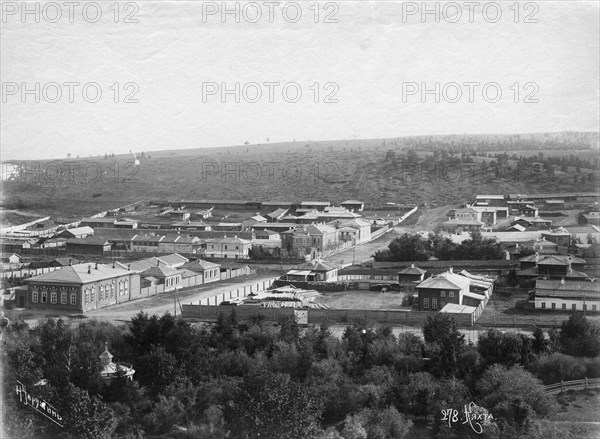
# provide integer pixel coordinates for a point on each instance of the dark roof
(412, 270)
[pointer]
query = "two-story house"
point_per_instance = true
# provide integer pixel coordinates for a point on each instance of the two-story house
(228, 248)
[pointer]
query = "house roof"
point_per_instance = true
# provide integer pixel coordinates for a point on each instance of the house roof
(200, 264)
(90, 240)
(517, 227)
(172, 259)
(463, 222)
(266, 232)
(465, 210)
(160, 271)
(315, 203)
(489, 197)
(352, 202)
(412, 270)
(227, 240)
(553, 260)
(278, 213)
(458, 309)
(80, 230)
(570, 288)
(78, 274)
(534, 272)
(65, 262)
(446, 280)
(148, 238)
(107, 220)
(316, 265)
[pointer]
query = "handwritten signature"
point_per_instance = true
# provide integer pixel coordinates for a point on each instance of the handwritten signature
(39, 405)
(474, 415)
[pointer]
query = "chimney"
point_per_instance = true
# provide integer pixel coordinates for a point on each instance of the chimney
(562, 280)
(412, 265)
(89, 269)
(70, 261)
(96, 267)
(129, 267)
(537, 258)
(451, 270)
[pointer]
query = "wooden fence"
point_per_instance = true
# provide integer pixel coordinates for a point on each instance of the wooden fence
(583, 384)
(240, 292)
(210, 313)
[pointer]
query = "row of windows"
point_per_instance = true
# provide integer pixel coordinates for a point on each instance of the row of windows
(573, 306)
(170, 281)
(35, 297)
(450, 293)
(106, 291)
(434, 303)
(212, 247)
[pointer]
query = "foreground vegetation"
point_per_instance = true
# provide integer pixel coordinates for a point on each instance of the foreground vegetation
(251, 380)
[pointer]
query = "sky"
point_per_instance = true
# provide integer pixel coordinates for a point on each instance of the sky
(161, 68)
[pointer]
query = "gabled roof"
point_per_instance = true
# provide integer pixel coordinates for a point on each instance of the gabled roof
(352, 202)
(172, 259)
(160, 271)
(517, 227)
(200, 264)
(446, 280)
(79, 231)
(107, 220)
(315, 265)
(277, 213)
(79, 274)
(412, 270)
(489, 197)
(553, 260)
(228, 240)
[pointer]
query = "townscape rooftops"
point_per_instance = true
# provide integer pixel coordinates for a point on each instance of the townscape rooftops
(553, 260)
(570, 288)
(172, 259)
(80, 274)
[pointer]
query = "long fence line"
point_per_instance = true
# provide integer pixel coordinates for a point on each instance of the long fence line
(210, 313)
(584, 384)
(241, 292)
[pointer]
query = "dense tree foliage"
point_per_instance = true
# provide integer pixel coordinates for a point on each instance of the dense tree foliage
(252, 379)
(414, 247)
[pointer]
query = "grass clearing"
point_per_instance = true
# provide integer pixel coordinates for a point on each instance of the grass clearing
(357, 299)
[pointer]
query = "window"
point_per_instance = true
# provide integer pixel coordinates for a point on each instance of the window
(564, 306)
(237, 247)
(426, 303)
(53, 297)
(63, 298)
(574, 307)
(585, 306)
(87, 296)
(543, 305)
(442, 293)
(92, 295)
(126, 282)
(34, 297)
(434, 303)
(44, 296)
(553, 305)
(120, 288)
(112, 290)
(450, 293)
(73, 299)
(226, 247)
(594, 308)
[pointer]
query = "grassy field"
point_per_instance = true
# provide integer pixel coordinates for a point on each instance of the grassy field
(577, 417)
(357, 299)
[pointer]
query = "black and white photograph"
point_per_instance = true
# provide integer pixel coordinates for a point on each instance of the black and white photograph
(306, 219)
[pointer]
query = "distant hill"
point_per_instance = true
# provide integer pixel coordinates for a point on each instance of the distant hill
(325, 170)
